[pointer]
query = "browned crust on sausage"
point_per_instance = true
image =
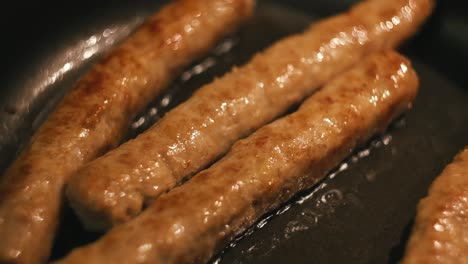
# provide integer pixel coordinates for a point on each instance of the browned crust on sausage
(440, 232)
(94, 115)
(115, 187)
(192, 221)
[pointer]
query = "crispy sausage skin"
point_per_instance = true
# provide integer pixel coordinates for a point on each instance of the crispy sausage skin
(115, 187)
(192, 221)
(94, 115)
(440, 233)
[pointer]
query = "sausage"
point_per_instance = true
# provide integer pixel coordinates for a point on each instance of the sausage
(192, 221)
(440, 232)
(117, 186)
(94, 115)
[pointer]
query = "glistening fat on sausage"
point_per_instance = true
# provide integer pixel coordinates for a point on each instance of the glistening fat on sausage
(115, 187)
(94, 115)
(192, 221)
(440, 232)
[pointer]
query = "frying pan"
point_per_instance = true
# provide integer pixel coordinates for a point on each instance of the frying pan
(361, 213)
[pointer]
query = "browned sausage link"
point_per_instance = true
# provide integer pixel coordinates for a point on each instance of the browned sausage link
(93, 116)
(115, 187)
(440, 233)
(192, 221)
